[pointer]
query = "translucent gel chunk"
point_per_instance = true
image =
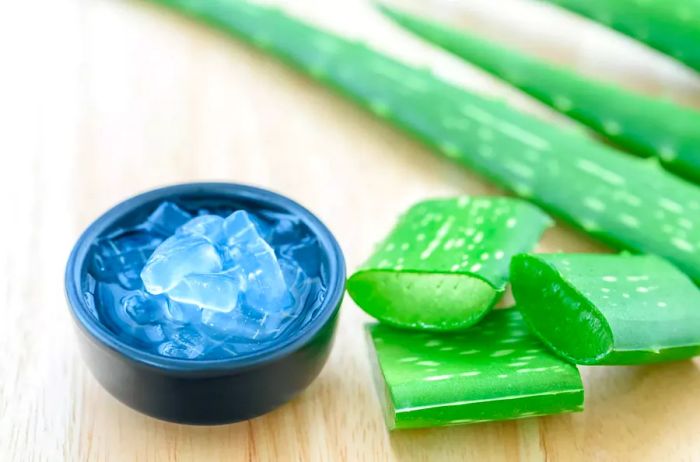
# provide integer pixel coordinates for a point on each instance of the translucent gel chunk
(176, 258)
(216, 287)
(210, 260)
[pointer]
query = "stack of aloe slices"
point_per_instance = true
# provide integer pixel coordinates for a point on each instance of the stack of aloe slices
(446, 262)
(627, 118)
(672, 27)
(609, 309)
(494, 371)
(442, 268)
(630, 203)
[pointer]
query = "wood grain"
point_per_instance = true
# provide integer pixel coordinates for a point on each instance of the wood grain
(101, 99)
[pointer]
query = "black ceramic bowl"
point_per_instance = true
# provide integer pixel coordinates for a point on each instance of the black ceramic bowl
(205, 391)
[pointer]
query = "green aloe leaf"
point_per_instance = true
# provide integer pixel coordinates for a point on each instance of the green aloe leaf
(670, 26)
(608, 309)
(627, 118)
(446, 262)
(494, 371)
(628, 202)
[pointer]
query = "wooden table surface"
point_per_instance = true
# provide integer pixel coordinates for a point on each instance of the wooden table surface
(102, 99)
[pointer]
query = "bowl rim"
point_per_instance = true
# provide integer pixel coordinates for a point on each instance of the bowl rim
(103, 336)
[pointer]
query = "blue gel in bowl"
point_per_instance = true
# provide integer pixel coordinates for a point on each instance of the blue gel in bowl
(238, 282)
(182, 363)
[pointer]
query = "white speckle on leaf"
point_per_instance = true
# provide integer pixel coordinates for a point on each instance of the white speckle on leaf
(435, 378)
(470, 374)
(469, 352)
(671, 206)
(594, 203)
(499, 353)
(612, 127)
(682, 244)
(629, 221)
(600, 172)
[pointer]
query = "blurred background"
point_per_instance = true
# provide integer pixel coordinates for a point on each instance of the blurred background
(102, 99)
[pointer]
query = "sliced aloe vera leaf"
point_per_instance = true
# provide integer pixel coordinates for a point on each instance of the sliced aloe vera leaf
(608, 309)
(627, 118)
(496, 370)
(627, 202)
(671, 27)
(446, 262)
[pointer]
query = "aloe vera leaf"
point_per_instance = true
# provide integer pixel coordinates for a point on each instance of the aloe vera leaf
(446, 262)
(627, 202)
(496, 370)
(627, 118)
(608, 309)
(671, 27)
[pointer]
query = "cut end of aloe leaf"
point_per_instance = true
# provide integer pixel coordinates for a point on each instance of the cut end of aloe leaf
(446, 262)
(608, 309)
(562, 317)
(494, 371)
(423, 300)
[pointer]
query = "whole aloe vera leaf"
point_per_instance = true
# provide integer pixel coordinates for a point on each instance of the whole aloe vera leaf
(494, 371)
(670, 26)
(627, 118)
(627, 202)
(608, 309)
(446, 262)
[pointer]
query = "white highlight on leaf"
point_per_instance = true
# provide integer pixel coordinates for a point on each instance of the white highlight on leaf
(600, 172)
(500, 353)
(470, 374)
(594, 203)
(629, 220)
(507, 129)
(682, 244)
(435, 243)
(436, 378)
(469, 352)
(671, 206)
